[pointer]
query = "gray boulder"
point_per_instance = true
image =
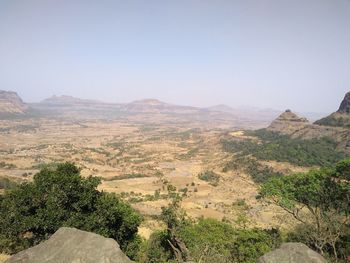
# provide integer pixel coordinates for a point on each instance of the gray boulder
(292, 253)
(70, 245)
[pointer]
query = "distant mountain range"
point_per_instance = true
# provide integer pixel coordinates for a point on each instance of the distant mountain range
(11, 103)
(68, 106)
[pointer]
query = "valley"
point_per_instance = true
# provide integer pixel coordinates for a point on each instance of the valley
(148, 152)
(138, 162)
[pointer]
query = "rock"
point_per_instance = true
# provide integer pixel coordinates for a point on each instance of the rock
(11, 103)
(345, 104)
(70, 245)
(340, 118)
(287, 123)
(292, 253)
(288, 115)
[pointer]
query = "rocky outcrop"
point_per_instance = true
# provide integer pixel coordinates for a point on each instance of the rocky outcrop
(288, 115)
(11, 103)
(292, 253)
(291, 124)
(345, 104)
(288, 122)
(69, 245)
(340, 118)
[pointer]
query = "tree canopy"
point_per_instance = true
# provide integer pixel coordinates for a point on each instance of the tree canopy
(60, 196)
(319, 200)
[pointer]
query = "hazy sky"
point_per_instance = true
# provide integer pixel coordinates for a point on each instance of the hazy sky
(266, 53)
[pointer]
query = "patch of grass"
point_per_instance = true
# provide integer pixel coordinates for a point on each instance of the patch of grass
(125, 176)
(259, 173)
(7, 165)
(6, 183)
(50, 166)
(210, 177)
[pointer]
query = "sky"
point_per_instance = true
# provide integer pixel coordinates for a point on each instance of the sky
(264, 53)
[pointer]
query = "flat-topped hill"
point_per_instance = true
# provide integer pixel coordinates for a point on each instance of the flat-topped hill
(11, 103)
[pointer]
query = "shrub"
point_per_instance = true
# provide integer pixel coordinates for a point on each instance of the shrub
(319, 201)
(210, 176)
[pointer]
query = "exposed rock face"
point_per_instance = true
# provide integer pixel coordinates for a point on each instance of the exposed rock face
(345, 104)
(10, 102)
(340, 118)
(288, 122)
(69, 245)
(288, 115)
(292, 253)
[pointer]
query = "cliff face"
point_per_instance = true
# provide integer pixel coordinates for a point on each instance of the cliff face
(10, 102)
(340, 118)
(345, 104)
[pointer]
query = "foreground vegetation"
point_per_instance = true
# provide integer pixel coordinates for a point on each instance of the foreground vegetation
(283, 148)
(32, 212)
(59, 196)
(320, 201)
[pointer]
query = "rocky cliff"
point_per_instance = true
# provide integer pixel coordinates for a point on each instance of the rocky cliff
(340, 118)
(11, 103)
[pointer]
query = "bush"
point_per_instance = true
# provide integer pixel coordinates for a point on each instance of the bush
(32, 212)
(210, 176)
(6, 183)
(259, 173)
(157, 249)
(319, 201)
(215, 241)
(210, 241)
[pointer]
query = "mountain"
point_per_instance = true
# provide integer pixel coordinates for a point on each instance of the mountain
(157, 106)
(288, 123)
(340, 118)
(11, 103)
(67, 100)
(142, 111)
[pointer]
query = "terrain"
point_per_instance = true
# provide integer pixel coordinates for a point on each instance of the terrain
(11, 103)
(142, 148)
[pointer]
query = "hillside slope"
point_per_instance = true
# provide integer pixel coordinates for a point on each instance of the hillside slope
(11, 103)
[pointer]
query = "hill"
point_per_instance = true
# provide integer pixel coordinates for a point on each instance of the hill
(288, 123)
(146, 111)
(11, 103)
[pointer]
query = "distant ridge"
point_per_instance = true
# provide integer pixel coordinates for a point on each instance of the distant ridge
(65, 99)
(11, 103)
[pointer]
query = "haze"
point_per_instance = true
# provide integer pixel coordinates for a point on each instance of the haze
(264, 53)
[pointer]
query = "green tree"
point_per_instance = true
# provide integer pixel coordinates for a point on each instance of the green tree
(319, 200)
(58, 197)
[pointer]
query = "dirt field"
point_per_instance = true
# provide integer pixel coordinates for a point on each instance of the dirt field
(138, 161)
